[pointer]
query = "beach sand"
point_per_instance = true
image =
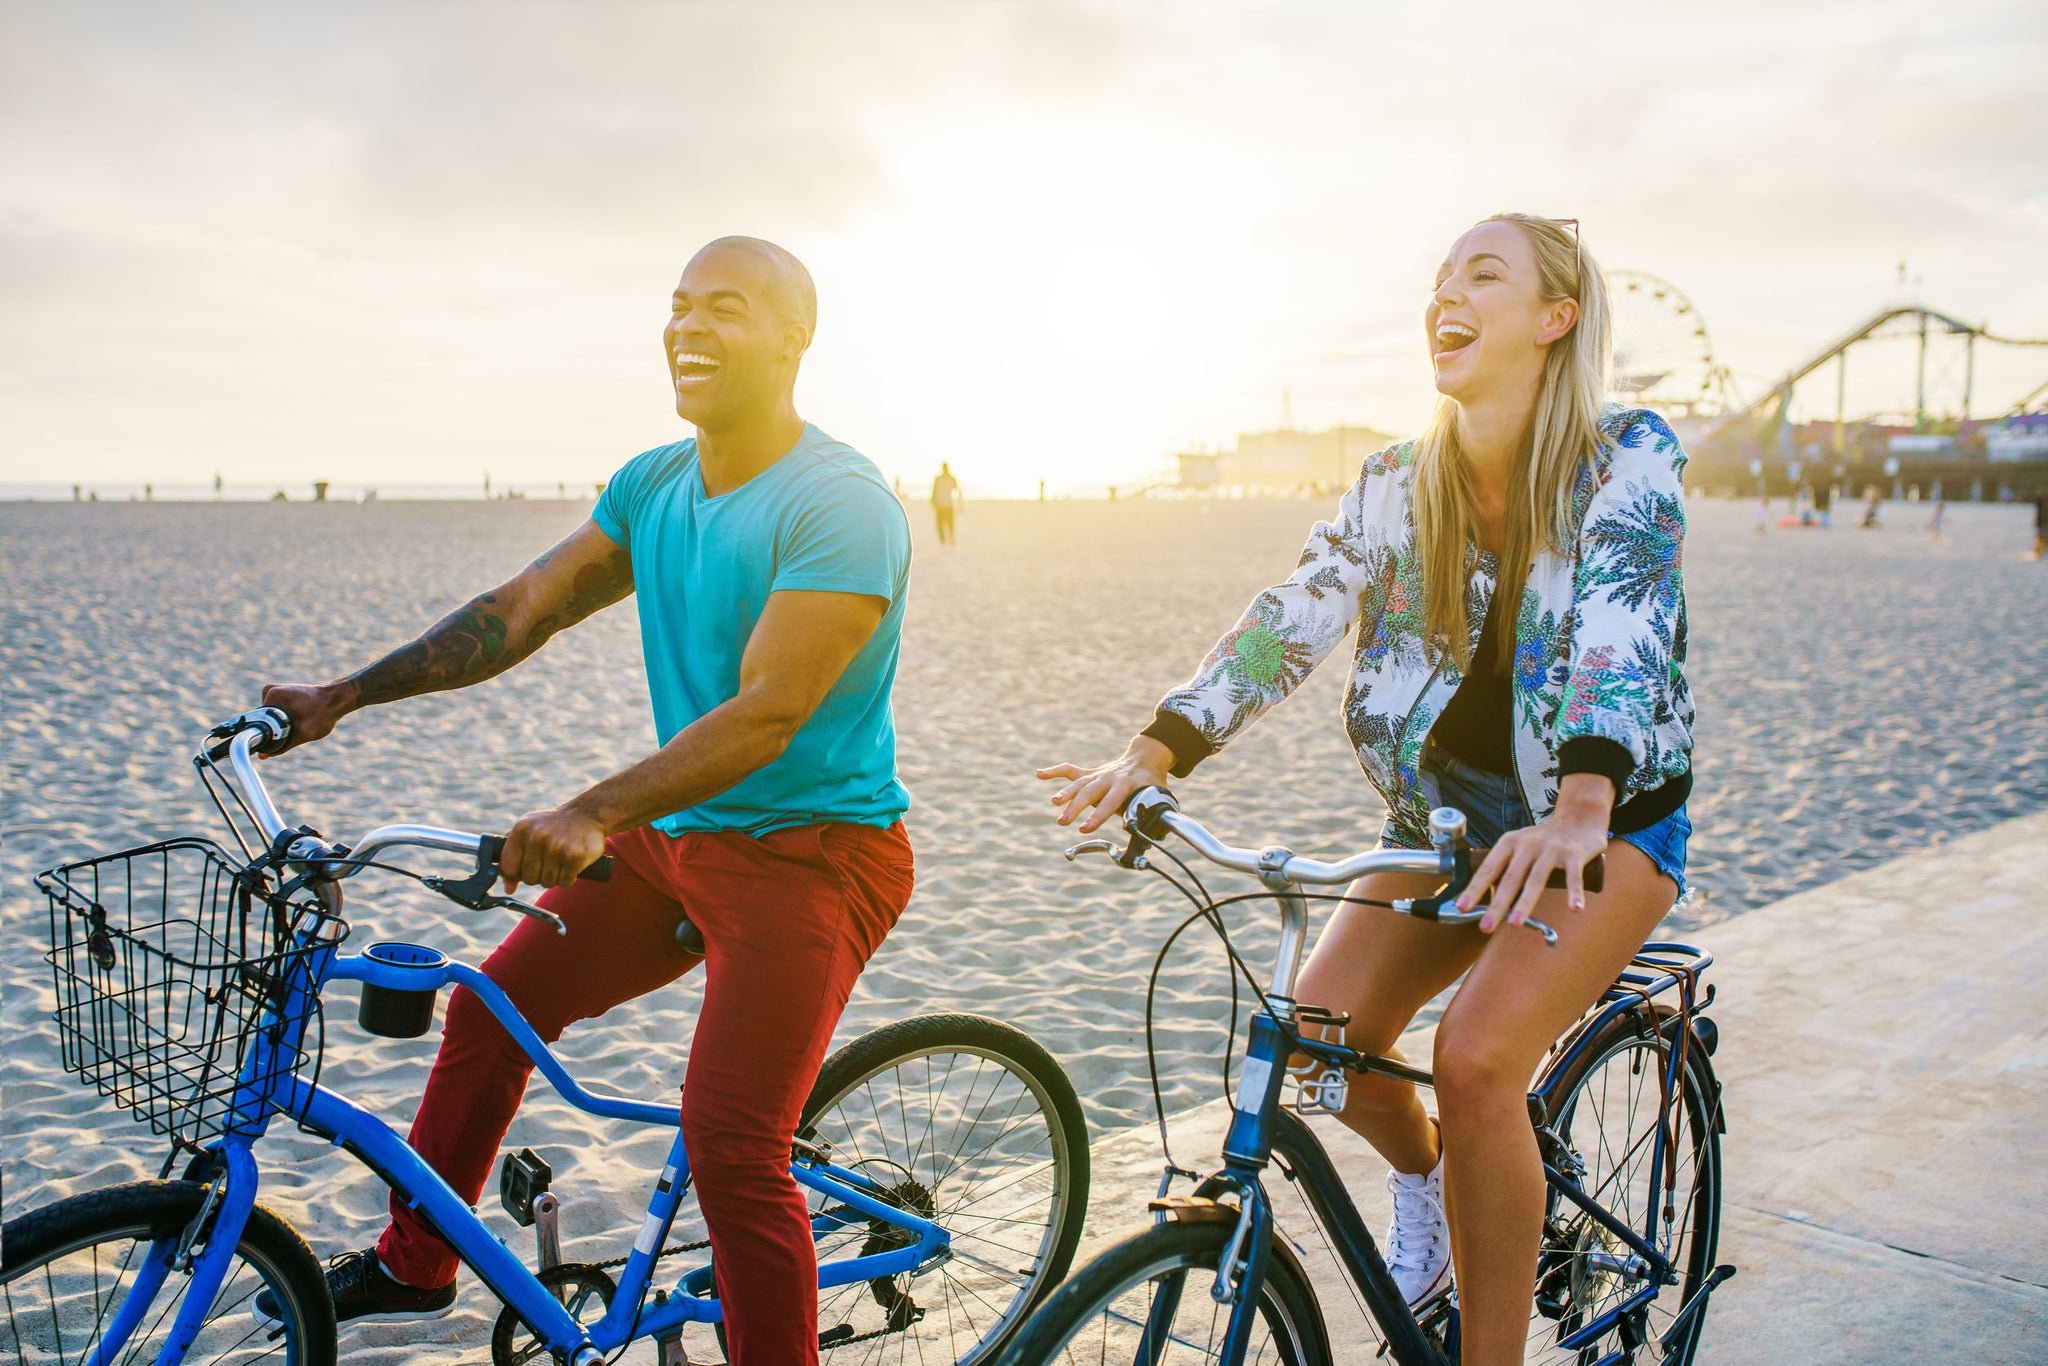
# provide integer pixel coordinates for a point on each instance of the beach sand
(1861, 695)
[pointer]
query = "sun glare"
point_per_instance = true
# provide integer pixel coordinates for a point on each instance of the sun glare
(1024, 281)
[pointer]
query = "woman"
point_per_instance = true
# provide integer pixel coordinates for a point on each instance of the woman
(1560, 724)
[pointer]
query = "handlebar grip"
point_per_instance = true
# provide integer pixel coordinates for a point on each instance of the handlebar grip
(1596, 875)
(1596, 872)
(490, 848)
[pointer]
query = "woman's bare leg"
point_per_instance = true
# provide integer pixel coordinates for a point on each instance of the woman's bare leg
(1383, 967)
(1521, 995)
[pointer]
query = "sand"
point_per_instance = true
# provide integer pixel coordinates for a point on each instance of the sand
(1862, 695)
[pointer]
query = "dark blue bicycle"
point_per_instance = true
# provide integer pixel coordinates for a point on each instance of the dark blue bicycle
(1627, 1114)
(946, 1156)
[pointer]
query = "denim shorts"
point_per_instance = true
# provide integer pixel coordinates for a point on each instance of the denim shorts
(1493, 805)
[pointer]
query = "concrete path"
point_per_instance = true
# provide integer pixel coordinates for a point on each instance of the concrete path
(1884, 1044)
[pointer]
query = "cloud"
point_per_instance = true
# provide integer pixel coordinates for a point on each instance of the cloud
(387, 239)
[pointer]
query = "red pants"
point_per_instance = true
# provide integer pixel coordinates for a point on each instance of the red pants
(789, 921)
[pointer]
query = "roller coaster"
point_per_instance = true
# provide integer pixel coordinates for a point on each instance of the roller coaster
(1918, 320)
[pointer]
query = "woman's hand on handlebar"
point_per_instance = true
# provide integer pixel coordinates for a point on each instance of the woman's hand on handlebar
(1145, 763)
(549, 848)
(1520, 865)
(313, 710)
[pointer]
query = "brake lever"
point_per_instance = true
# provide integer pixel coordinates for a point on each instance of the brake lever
(1442, 910)
(1133, 855)
(475, 893)
(531, 912)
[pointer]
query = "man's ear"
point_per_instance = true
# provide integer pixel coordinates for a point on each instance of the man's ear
(796, 339)
(1558, 319)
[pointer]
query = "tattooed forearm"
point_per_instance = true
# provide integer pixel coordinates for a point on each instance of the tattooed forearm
(491, 633)
(467, 646)
(599, 584)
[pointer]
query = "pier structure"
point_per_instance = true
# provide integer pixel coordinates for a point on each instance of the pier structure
(1936, 442)
(1758, 446)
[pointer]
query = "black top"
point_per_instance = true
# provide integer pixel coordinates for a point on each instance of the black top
(1479, 724)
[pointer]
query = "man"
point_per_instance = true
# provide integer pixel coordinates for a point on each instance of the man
(772, 563)
(945, 502)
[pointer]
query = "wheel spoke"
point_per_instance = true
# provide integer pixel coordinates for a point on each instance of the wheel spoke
(1613, 1117)
(959, 1133)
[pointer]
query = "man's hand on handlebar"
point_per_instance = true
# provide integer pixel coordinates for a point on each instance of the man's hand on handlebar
(549, 848)
(313, 710)
(1144, 763)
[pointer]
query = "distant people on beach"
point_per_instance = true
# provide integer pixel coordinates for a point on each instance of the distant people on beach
(1871, 503)
(1935, 519)
(1517, 328)
(1763, 516)
(774, 562)
(945, 503)
(2040, 523)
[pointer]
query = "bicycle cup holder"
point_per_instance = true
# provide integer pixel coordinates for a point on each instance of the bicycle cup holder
(395, 1012)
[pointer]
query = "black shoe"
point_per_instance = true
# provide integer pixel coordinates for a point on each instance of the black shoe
(364, 1294)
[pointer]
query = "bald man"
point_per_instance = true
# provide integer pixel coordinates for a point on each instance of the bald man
(771, 563)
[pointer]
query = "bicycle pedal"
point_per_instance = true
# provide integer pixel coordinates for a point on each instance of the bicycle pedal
(524, 1178)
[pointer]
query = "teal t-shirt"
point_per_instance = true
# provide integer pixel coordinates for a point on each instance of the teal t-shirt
(821, 518)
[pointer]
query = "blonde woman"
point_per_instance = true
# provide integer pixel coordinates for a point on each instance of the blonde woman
(1513, 578)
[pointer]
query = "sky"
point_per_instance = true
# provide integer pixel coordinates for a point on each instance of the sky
(413, 243)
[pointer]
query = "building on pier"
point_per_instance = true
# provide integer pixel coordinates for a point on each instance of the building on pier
(1282, 461)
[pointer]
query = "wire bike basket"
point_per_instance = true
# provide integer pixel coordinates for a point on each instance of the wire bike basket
(169, 961)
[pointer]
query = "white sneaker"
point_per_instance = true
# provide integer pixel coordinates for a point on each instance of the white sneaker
(1418, 1246)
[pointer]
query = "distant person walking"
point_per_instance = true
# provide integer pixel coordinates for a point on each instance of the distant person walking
(946, 502)
(2040, 523)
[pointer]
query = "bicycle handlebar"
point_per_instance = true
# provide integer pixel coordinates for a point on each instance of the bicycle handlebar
(264, 731)
(1152, 813)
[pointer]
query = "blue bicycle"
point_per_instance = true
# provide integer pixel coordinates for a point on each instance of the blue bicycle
(946, 1156)
(1627, 1114)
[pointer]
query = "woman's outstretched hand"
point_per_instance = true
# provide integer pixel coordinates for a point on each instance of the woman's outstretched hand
(1145, 763)
(1519, 867)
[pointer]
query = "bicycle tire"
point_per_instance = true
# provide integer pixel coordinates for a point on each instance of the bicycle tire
(852, 1105)
(1696, 1243)
(1085, 1311)
(61, 1234)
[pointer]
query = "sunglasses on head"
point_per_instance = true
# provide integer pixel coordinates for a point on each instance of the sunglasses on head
(1578, 251)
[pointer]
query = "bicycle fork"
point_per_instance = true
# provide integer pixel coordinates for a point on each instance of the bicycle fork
(1241, 1271)
(218, 1225)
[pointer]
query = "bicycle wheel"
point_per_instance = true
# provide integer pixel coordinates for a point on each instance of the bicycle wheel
(1100, 1316)
(970, 1123)
(67, 1268)
(1606, 1112)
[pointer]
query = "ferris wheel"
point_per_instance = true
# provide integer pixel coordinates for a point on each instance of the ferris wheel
(1662, 354)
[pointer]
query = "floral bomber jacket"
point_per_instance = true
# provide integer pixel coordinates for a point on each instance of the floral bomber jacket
(1599, 637)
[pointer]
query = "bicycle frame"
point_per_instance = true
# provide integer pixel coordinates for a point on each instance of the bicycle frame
(1261, 1127)
(375, 1144)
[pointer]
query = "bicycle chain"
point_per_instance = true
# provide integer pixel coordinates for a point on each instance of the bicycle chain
(703, 1243)
(697, 1246)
